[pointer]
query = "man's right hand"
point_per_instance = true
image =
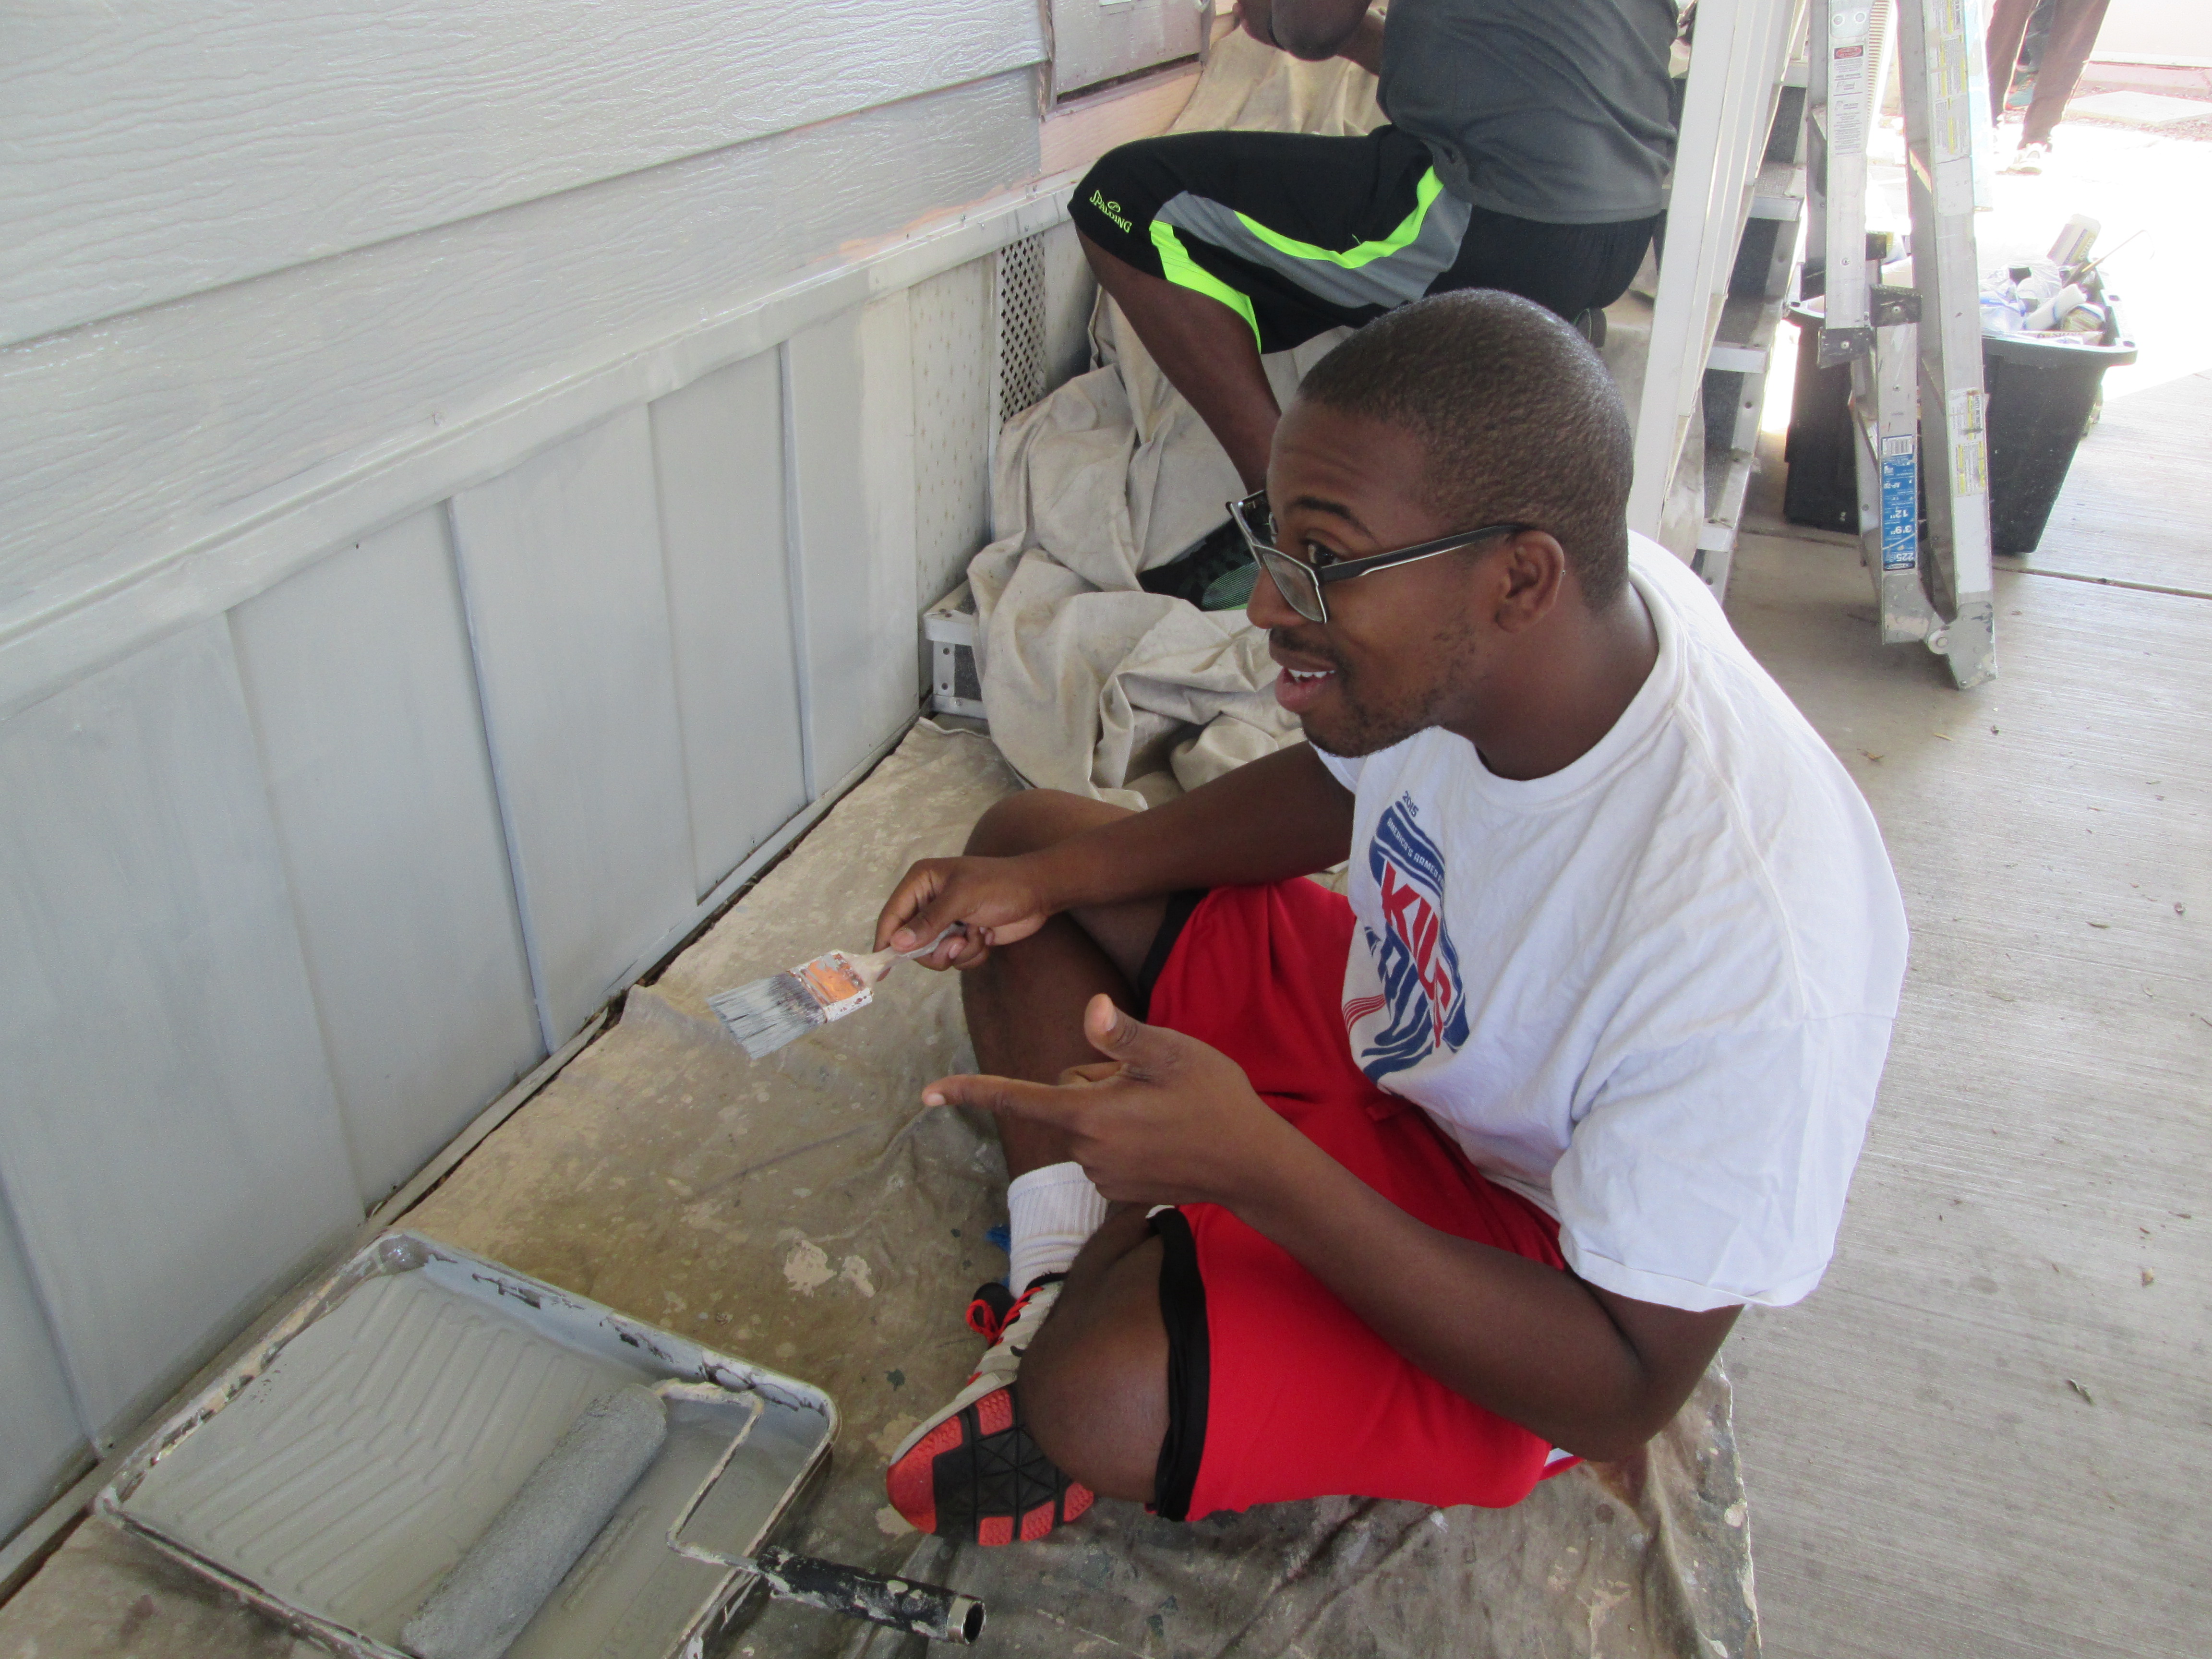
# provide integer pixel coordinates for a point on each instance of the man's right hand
(999, 900)
(1281, 816)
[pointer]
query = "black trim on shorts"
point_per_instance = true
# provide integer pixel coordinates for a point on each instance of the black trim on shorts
(1183, 1311)
(1179, 906)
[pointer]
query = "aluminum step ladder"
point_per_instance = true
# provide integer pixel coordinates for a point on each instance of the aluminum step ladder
(1915, 352)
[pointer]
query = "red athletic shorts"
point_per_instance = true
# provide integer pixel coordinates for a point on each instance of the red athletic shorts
(1276, 1389)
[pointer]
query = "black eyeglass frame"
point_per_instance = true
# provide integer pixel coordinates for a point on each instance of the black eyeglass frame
(1306, 579)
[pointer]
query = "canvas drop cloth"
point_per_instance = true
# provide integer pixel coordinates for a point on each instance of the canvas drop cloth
(1090, 684)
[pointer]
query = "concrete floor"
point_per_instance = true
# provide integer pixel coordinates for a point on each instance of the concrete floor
(1987, 1433)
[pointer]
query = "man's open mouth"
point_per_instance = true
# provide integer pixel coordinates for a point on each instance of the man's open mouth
(1298, 689)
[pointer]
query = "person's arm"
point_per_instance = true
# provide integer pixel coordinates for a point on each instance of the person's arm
(1166, 1119)
(1363, 46)
(1311, 29)
(1279, 817)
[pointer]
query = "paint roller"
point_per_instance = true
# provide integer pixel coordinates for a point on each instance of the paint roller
(496, 1589)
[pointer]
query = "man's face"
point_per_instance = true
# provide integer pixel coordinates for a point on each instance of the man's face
(1403, 649)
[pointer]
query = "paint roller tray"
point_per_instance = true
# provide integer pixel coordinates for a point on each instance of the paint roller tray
(334, 1476)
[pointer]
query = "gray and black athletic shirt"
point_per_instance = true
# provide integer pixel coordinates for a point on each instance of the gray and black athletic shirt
(1551, 110)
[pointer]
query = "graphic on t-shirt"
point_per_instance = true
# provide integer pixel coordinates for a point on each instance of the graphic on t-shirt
(1413, 955)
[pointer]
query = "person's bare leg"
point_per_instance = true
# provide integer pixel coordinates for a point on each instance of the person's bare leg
(1024, 1005)
(1095, 1382)
(1208, 353)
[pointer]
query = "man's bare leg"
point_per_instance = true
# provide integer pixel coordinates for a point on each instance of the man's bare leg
(1208, 353)
(1094, 1382)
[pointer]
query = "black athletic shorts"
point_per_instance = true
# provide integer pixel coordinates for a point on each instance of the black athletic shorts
(1298, 235)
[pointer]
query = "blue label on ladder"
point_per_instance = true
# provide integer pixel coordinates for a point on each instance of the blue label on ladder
(1900, 505)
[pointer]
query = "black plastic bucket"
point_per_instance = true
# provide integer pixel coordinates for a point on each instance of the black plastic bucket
(2040, 393)
(1821, 488)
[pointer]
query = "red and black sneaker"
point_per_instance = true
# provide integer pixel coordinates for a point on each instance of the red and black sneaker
(972, 1472)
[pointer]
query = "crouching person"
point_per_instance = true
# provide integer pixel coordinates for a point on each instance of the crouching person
(1422, 1193)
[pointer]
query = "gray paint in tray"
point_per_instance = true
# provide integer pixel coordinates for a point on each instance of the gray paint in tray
(341, 1472)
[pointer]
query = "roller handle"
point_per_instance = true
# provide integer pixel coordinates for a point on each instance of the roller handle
(925, 1610)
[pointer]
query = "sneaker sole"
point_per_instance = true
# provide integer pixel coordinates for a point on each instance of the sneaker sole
(979, 1478)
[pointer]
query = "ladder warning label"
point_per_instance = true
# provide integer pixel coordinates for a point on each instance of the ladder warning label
(1847, 102)
(1900, 505)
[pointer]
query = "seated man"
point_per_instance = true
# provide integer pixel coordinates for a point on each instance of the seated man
(1469, 1176)
(1527, 151)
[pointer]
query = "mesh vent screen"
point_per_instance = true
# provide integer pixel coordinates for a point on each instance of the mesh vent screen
(1021, 326)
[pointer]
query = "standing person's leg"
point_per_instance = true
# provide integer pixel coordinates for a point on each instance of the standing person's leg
(2008, 28)
(1221, 246)
(2066, 49)
(1207, 352)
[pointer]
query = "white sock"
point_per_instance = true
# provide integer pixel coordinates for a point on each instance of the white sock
(1051, 1213)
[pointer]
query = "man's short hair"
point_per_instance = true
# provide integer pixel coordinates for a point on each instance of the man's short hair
(1518, 417)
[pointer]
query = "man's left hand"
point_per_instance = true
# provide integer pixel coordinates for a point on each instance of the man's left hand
(1163, 1118)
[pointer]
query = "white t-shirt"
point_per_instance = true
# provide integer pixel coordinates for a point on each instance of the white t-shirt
(1651, 992)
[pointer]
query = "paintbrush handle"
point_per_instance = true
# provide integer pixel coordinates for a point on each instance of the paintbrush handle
(930, 1611)
(873, 966)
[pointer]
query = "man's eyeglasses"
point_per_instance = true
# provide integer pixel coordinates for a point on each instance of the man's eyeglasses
(1300, 583)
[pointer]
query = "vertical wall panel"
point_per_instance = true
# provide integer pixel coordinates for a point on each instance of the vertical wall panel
(169, 1142)
(718, 457)
(850, 383)
(951, 317)
(40, 1440)
(561, 565)
(358, 675)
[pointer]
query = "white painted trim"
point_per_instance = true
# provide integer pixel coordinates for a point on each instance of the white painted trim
(281, 530)
(26, 1552)
(1075, 134)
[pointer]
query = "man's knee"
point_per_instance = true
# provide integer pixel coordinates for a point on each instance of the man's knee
(1035, 818)
(1094, 1383)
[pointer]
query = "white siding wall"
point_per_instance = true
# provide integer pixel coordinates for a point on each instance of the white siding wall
(471, 485)
(172, 149)
(129, 442)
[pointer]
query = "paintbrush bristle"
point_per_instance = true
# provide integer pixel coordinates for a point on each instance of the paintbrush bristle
(768, 1012)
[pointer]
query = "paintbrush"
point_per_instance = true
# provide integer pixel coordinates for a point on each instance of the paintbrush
(772, 1011)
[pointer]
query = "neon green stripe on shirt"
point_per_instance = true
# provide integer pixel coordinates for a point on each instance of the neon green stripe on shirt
(1179, 268)
(1366, 252)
